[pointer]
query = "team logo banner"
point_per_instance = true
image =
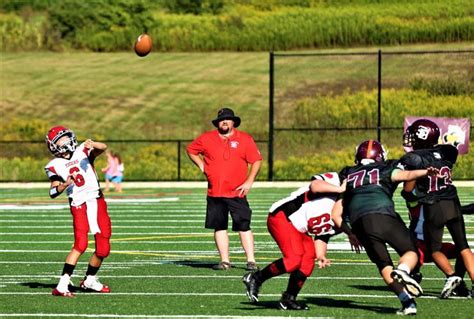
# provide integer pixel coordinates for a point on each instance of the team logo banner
(452, 131)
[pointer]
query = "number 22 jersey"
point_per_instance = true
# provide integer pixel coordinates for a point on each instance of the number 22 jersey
(86, 185)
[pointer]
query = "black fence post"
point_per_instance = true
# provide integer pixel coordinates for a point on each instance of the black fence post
(270, 118)
(379, 97)
(179, 160)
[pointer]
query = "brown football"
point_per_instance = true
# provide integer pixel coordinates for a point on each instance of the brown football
(143, 45)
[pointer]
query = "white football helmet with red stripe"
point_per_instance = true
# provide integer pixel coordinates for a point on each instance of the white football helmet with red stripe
(53, 136)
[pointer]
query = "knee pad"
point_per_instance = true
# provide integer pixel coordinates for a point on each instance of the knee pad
(102, 247)
(292, 263)
(307, 265)
(81, 243)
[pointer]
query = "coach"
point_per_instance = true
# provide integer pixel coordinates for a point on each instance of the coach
(224, 156)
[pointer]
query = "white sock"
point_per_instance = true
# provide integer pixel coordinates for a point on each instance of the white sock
(64, 282)
(404, 267)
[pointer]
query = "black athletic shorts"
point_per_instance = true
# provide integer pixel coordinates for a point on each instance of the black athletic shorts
(374, 231)
(439, 214)
(217, 215)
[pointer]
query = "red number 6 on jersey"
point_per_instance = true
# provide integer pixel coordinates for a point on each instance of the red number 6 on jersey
(320, 225)
(78, 178)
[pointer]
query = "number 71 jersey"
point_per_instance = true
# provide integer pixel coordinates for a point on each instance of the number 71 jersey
(86, 185)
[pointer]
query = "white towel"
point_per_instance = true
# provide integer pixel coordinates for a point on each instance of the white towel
(92, 215)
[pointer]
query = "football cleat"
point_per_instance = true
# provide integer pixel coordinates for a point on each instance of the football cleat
(93, 283)
(462, 291)
(409, 283)
(418, 276)
(66, 293)
(408, 308)
(252, 285)
(288, 302)
(451, 283)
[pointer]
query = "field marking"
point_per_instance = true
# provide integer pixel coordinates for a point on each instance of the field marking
(55, 315)
(208, 294)
(283, 277)
(111, 200)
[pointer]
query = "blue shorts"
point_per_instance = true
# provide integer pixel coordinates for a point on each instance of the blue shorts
(114, 179)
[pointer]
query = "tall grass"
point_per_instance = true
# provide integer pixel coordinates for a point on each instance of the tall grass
(244, 27)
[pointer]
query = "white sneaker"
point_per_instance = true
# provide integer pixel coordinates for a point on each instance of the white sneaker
(408, 308)
(62, 289)
(93, 283)
(409, 283)
(451, 283)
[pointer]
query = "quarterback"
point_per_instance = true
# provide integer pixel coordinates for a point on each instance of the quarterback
(72, 170)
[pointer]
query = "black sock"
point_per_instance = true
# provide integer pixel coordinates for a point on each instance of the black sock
(276, 268)
(68, 269)
(459, 267)
(91, 270)
(296, 282)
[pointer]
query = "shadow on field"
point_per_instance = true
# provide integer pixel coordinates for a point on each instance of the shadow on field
(369, 287)
(192, 263)
(259, 306)
(40, 285)
(347, 304)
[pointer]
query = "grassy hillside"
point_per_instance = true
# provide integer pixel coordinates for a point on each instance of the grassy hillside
(118, 96)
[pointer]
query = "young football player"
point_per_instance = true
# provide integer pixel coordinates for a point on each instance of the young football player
(369, 205)
(415, 211)
(72, 171)
(290, 222)
(438, 195)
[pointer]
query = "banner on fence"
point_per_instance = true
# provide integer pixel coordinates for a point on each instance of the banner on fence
(452, 131)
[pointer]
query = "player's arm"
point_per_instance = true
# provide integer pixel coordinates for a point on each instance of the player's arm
(339, 222)
(57, 186)
(320, 186)
(399, 175)
(96, 148)
(321, 246)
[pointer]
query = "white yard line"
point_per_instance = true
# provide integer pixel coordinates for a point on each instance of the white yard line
(216, 294)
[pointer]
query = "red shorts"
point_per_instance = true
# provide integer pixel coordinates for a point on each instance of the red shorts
(297, 248)
(81, 228)
(448, 249)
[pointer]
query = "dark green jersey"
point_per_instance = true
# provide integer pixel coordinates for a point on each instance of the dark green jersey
(432, 188)
(369, 189)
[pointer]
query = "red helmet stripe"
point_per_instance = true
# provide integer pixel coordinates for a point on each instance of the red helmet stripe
(369, 148)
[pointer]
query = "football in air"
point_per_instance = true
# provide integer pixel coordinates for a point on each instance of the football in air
(143, 45)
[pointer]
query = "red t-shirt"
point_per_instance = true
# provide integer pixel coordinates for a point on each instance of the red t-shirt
(226, 160)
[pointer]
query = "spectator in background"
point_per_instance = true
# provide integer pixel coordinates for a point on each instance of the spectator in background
(111, 170)
(117, 179)
(224, 156)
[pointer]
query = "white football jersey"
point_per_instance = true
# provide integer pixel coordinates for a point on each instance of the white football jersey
(319, 208)
(86, 184)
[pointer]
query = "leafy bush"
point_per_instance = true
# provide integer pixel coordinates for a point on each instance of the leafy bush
(204, 25)
(449, 86)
